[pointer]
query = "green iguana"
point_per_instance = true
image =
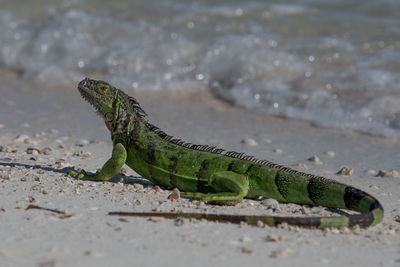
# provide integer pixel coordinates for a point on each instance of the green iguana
(212, 174)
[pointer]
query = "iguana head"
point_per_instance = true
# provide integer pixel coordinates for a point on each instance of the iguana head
(101, 95)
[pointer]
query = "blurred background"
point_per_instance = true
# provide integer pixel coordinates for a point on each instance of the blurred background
(333, 62)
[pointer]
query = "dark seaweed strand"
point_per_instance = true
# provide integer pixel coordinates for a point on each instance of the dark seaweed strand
(226, 218)
(312, 222)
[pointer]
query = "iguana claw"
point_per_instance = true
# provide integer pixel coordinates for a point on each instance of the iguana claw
(77, 175)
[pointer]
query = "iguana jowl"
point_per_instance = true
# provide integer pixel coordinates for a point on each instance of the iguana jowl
(213, 174)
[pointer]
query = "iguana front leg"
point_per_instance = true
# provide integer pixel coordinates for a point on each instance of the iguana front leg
(230, 188)
(109, 169)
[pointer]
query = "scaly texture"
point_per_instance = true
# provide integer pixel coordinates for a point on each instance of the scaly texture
(213, 174)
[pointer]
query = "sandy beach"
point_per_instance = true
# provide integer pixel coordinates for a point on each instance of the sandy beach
(46, 129)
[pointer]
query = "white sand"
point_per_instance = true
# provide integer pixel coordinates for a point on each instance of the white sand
(92, 238)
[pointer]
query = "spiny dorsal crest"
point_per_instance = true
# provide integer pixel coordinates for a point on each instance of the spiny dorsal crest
(133, 105)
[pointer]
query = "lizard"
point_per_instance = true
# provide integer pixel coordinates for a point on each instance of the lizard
(212, 174)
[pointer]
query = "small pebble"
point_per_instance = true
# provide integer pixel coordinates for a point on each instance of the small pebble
(137, 186)
(335, 231)
(59, 163)
(181, 221)
(281, 252)
(245, 239)
(21, 138)
(347, 171)
(54, 131)
(87, 155)
(274, 238)
(302, 165)
(83, 142)
(1, 126)
(260, 224)
(248, 142)
(303, 210)
(157, 188)
(267, 141)
(176, 194)
(33, 151)
(46, 151)
(391, 173)
(92, 253)
(5, 177)
(270, 203)
(315, 160)
(246, 250)
(372, 172)
(157, 220)
(278, 151)
(330, 154)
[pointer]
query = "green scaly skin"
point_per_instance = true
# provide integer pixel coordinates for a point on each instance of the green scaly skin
(212, 174)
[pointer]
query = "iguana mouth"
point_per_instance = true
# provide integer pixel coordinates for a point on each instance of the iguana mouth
(86, 92)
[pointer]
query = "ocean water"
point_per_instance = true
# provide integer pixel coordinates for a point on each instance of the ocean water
(333, 62)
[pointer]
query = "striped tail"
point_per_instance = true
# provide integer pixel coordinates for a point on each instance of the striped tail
(371, 213)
